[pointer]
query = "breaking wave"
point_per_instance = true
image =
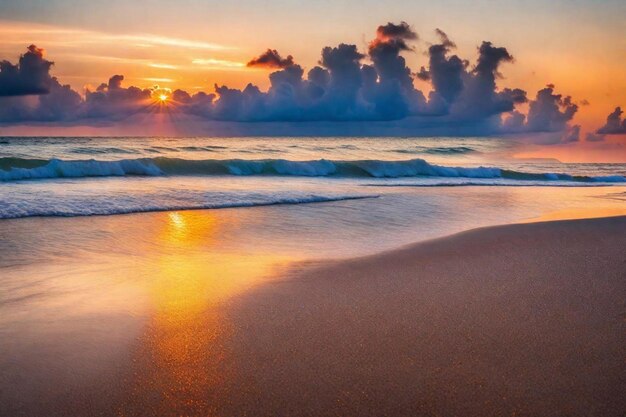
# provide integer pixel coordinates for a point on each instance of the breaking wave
(110, 206)
(14, 169)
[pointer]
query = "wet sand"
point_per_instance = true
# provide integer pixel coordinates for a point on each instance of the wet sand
(518, 320)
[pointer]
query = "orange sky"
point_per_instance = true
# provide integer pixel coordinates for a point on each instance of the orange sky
(578, 45)
(584, 64)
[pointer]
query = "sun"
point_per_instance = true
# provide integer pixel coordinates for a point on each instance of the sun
(163, 98)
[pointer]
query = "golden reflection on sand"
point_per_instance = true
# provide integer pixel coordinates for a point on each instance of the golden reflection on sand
(179, 361)
(586, 203)
(579, 213)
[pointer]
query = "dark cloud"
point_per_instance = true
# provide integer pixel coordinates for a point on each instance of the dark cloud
(199, 104)
(114, 101)
(396, 33)
(614, 124)
(384, 51)
(469, 95)
(30, 76)
(340, 99)
(347, 86)
(445, 40)
(271, 59)
(515, 95)
(479, 99)
(550, 112)
(594, 137)
(61, 103)
(489, 59)
(445, 73)
(390, 88)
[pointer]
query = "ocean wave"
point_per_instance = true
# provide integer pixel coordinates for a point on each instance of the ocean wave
(13, 169)
(30, 169)
(120, 206)
(499, 182)
(200, 148)
(452, 150)
(92, 150)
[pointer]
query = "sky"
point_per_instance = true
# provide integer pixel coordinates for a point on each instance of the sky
(575, 46)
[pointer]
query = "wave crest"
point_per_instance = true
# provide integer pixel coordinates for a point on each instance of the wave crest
(12, 169)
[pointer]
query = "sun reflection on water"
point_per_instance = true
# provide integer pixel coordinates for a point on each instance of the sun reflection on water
(177, 220)
(179, 363)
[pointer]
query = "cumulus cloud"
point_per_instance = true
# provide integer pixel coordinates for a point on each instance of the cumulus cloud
(348, 85)
(614, 123)
(550, 112)
(479, 97)
(271, 59)
(466, 94)
(446, 73)
(390, 88)
(61, 103)
(31, 75)
(396, 33)
(112, 100)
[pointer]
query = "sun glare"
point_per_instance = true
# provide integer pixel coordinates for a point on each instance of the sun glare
(163, 98)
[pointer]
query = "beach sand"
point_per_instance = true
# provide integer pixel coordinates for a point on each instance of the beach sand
(515, 320)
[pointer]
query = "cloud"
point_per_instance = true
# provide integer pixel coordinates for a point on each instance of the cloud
(384, 51)
(445, 73)
(390, 88)
(550, 112)
(30, 76)
(156, 40)
(271, 59)
(396, 34)
(594, 137)
(479, 97)
(348, 91)
(112, 100)
(61, 103)
(571, 134)
(468, 95)
(614, 124)
(340, 98)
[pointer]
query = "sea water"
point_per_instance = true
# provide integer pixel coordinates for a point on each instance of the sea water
(397, 190)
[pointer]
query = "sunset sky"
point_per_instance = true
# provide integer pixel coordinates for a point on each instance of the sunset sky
(192, 44)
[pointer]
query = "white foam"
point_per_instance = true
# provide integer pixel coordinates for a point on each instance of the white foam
(56, 168)
(86, 205)
(75, 169)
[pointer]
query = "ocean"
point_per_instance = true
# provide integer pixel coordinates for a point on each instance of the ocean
(397, 189)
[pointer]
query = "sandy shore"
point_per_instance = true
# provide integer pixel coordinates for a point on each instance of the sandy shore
(519, 320)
